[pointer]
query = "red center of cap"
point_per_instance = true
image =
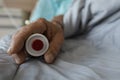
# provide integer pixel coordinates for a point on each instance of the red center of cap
(37, 45)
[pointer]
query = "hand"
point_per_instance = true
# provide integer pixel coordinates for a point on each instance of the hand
(51, 30)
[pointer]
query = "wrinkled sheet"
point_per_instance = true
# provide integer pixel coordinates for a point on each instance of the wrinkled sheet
(79, 59)
(95, 56)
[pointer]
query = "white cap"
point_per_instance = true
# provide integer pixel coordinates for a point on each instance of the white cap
(36, 45)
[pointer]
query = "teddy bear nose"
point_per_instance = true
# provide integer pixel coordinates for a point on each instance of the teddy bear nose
(37, 45)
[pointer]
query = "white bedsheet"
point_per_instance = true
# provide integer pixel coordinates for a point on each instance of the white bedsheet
(79, 59)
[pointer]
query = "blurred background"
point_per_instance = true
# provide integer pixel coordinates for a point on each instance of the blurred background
(14, 14)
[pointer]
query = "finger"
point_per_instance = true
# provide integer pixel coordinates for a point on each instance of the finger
(20, 57)
(54, 47)
(19, 38)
